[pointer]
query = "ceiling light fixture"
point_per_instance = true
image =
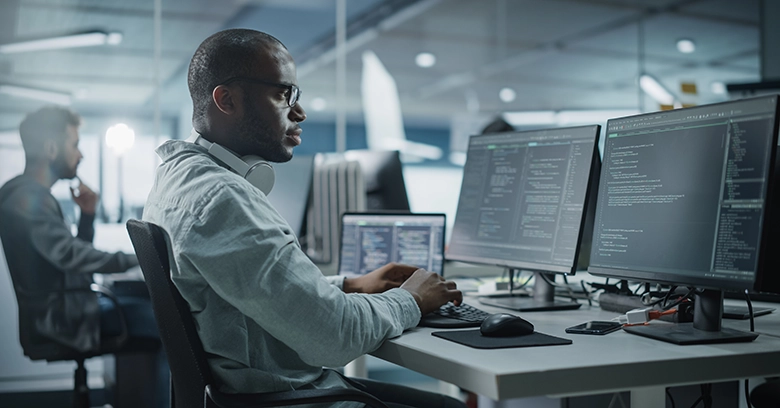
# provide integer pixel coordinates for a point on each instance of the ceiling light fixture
(85, 39)
(565, 117)
(425, 60)
(59, 98)
(120, 138)
(507, 94)
(686, 45)
(531, 118)
(652, 87)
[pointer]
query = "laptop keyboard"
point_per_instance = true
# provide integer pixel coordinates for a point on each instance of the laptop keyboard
(451, 316)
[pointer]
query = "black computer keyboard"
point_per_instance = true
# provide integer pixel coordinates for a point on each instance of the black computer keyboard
(451, 316)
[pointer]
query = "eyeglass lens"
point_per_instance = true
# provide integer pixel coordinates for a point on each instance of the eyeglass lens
(295, 93)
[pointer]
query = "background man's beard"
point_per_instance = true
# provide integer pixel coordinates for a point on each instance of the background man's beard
(62, 170)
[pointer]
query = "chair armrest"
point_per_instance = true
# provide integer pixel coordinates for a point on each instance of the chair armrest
(117, 341)
(287, 398)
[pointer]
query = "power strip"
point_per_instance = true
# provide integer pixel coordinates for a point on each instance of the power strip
(623, 303)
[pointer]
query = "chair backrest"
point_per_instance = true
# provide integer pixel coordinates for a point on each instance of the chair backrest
(190, 372)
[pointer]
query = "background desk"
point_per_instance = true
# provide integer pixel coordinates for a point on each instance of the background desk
(591, 365)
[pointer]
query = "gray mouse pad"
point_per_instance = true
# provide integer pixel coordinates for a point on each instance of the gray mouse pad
(473, 338)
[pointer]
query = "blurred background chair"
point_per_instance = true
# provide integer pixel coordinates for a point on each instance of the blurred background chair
(39, 347)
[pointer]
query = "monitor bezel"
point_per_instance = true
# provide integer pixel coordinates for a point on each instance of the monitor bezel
(391, 213)
(593, 172)
(763, 267)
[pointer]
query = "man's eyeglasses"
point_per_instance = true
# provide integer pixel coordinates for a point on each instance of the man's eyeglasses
(293, 92)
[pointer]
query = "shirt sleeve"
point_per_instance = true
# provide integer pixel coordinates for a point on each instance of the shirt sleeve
(53, 240)
(337, 281)
(240, 250)
(86, 227)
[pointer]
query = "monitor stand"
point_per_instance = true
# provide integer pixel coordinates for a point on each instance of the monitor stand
(705, 329)
(542, 300)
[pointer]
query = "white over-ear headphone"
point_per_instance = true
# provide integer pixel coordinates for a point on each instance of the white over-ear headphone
(254, 169)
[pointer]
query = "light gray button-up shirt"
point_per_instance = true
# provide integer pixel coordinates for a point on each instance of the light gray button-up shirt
(268, 319)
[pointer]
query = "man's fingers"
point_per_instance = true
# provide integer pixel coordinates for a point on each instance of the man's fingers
(456, 297)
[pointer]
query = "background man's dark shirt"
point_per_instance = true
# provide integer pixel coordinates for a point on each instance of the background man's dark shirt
(43, 256)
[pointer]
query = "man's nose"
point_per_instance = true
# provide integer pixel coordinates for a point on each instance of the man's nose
(297, 113)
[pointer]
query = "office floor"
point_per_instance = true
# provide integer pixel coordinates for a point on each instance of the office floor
(48, 399)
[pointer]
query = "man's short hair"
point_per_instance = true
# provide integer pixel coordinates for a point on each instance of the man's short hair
(47, 123)
(223, 55)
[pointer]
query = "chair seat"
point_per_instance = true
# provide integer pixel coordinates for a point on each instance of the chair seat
(57, 352)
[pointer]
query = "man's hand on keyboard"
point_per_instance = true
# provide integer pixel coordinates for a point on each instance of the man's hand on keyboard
(385, 278)
(430, 290)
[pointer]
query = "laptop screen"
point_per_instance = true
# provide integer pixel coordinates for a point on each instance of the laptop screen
(371, 240)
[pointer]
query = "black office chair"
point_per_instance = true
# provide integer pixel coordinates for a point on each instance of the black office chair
(38, 347)
(766, 395)
(192, 382)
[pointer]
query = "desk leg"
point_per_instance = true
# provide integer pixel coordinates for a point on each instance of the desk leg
(356, 368)
(648, 397)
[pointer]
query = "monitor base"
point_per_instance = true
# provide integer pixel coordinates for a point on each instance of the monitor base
(521, 304)
(743, 313)
(685, 334)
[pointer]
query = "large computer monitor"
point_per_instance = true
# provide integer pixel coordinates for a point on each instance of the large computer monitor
(686, 198)
(526, 203)
(384, 178)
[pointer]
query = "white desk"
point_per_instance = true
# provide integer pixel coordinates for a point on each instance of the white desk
(591, 365)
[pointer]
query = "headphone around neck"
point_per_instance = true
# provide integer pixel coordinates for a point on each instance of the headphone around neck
(254, 169)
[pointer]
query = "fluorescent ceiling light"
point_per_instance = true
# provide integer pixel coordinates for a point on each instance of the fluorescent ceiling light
(425, 60)
(652, 87)
(686, 45)
(565, 117)
(581, 117)
(59, 98)
(87, 39)
(531, 118)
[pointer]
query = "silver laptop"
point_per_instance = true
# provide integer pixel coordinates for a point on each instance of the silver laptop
(371, 240)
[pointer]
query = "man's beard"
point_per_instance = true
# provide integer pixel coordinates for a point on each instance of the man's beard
(61, 168)
(255, 133)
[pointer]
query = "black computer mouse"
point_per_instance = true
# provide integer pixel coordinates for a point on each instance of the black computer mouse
(505, 325)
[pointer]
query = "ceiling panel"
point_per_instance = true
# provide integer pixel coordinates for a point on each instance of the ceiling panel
(747, 11)
(556, 54)
(174, 8)
(578, 70)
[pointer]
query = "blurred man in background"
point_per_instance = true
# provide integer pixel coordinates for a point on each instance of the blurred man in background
(44, 257)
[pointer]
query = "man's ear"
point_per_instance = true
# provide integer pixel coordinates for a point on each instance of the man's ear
(51, 149)
(227, 100)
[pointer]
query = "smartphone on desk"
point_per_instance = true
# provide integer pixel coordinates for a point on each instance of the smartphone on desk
(594, 327)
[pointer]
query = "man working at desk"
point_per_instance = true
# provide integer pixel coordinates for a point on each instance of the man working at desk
(267, 317)
(44, 257)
